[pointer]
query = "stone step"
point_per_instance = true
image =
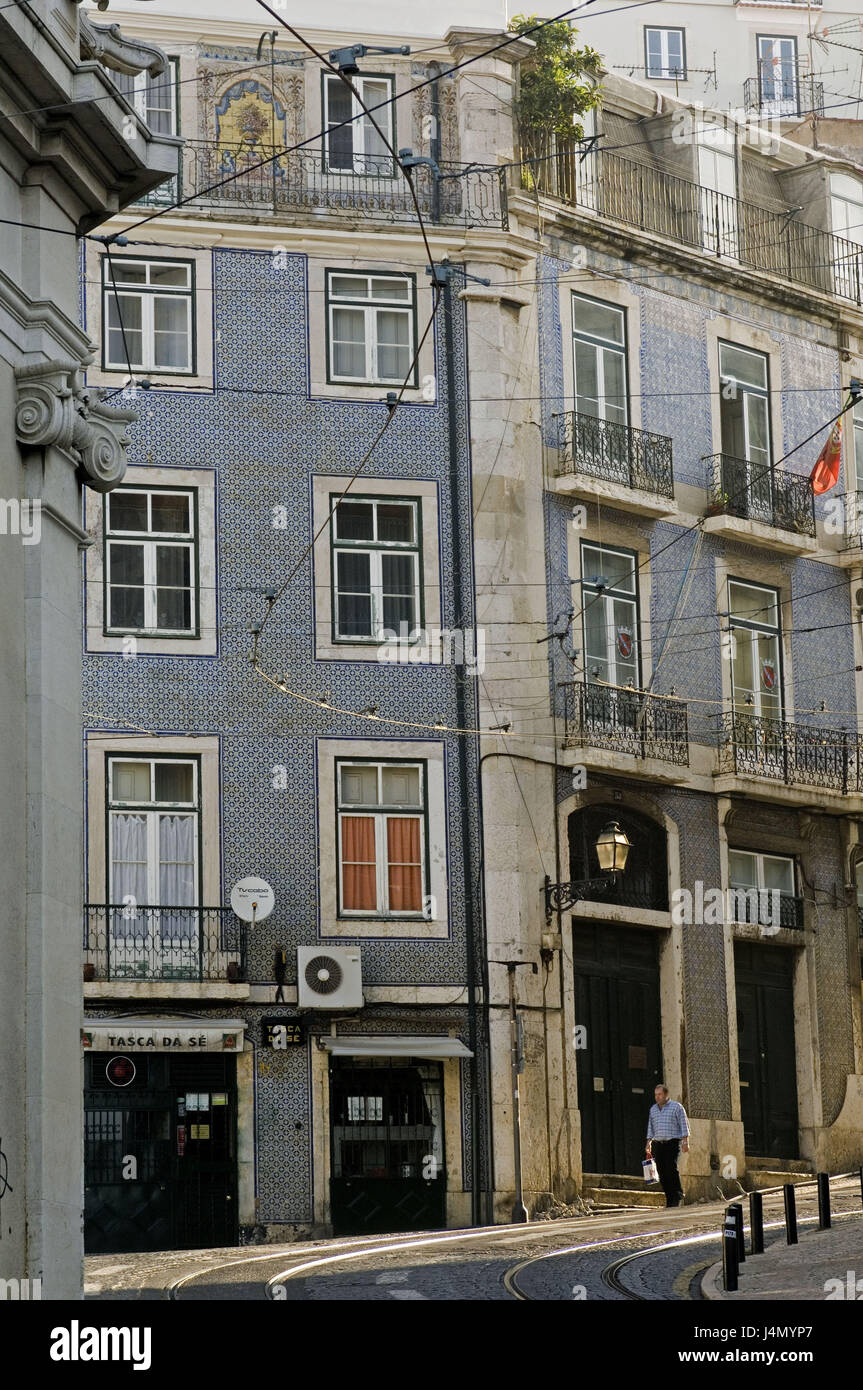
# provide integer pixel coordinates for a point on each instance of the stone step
(778, 1165)
(615, 1180)
(624, 1196)
(755, 1179)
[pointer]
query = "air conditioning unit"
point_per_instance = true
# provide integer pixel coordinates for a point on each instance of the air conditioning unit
(329, 977)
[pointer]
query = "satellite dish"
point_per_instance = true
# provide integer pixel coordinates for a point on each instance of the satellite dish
(252, 899)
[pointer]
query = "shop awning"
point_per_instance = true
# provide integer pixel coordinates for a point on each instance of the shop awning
(381, 1046)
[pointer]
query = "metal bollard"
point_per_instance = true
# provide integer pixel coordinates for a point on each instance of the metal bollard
(756, 1224)
(790, 1214)
(823, 1201)
(737, 1210)
(730, 1265)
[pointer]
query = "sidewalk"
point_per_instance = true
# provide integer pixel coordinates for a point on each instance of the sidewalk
(801, 1271)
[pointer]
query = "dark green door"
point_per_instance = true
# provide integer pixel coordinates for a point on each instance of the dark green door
(764, 977)
(388, 1170)
(159, 1153)
(619, 1052)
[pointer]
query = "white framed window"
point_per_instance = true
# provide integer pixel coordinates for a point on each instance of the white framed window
(846, 207)
(147, 315)
(610, 615)
(154, 98)
(356, 147)
(664, 53)
(153, 832)
(599, 352)
(756, 668)
(753, 879)
(376, 568)
(382, 835)
(777, 75)
(371, 327)
(151, 561)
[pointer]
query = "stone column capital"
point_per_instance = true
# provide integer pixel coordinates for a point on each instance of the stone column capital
(54, 408)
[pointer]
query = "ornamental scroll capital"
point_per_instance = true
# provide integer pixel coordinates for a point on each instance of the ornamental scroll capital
(54, 408)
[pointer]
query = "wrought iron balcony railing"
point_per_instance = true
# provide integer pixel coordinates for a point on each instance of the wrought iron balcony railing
(792, 753)
(797, 96)
(860, 921)
(756, 493)
(677, 210)
(254, 177)
(626, 721)
(617, 453)
(765, 908)
(163, 943)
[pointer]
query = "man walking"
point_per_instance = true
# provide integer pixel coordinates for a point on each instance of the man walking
(667, 1127)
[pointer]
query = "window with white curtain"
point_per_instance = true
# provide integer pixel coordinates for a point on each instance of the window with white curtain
(147, 315)
(370, 328)
(153, 842)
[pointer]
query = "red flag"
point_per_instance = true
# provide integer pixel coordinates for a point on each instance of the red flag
(825, 474)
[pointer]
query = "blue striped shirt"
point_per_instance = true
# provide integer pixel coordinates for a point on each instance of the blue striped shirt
(668, 1121)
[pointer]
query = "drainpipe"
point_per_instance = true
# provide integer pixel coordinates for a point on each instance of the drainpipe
(473, 910)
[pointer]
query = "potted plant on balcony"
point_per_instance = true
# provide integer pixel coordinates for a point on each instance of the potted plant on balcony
(718, 504)
(558, 83)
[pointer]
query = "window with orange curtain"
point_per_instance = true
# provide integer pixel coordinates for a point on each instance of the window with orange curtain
(381, 837)
(359, 864)
(404, 865)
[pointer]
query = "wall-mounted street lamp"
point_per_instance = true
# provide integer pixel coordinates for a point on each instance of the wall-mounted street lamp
(612, 849)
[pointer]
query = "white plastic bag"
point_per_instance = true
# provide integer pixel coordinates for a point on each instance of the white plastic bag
(650, 1172)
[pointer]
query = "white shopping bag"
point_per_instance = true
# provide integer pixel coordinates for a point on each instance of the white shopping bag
(650, 1173)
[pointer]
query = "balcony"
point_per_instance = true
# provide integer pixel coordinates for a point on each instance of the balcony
(756, 907)
(795, 754)
(648, 727)
(172, 945)
(752, 502)
(259, 179)
(852, 552)
(612, 188)
(616, 463)
(795, 97)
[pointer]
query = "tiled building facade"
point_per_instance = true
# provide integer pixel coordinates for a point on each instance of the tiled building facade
(510, 500)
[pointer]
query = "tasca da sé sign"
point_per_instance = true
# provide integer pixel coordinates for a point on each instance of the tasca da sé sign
(161, 1037)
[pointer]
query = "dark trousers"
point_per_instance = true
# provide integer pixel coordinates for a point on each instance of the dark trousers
(665, 1153)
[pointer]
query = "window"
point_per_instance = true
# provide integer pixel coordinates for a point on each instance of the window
(665, 53)
(857, 415)
(371, 328)
(777, 75)
(846, 207)
(153, 831)
(147, 316)
(154, 98)
(717, 175)
(610, 608)
(356, 147)
(382, 835)
(755, 651)
(753, 878)
(376, 568)
(744, 413)
(599, 348)
(150, 561)
(153, 858)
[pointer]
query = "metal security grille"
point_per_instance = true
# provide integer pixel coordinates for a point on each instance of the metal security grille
(160, 1154)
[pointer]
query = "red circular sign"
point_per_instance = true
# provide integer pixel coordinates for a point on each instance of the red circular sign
(121, 1071)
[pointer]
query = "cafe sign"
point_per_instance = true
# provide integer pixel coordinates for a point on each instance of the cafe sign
(163, 1035)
